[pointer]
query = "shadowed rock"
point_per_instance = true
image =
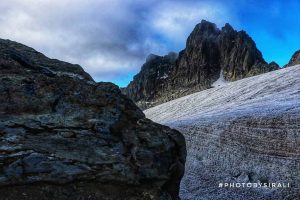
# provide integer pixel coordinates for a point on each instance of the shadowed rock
(64, 136)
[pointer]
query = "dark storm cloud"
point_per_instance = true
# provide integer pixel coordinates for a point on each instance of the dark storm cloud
(110, 39)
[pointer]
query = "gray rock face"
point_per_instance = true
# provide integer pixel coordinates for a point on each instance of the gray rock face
(295, 60)
(63, 136)
(242, 132)
(208, 51)
(151, 82)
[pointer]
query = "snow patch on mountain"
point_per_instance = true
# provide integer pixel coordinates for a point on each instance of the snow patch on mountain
(221, 81)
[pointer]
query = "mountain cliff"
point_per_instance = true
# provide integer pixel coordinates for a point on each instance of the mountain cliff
(64, 136)
(209, 54)
(295, 60)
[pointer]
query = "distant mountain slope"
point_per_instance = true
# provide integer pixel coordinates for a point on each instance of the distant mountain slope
(150, 83)
(208, 51)
(243, 131)
(295, 60)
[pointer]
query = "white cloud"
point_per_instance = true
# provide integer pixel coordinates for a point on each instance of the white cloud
(176, 20)
(108, 38)
(92, 33)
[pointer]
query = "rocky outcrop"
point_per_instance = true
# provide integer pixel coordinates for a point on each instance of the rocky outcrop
(244, 132)
(208, 51)
(151, 82)
(64, 136)
(295, 60)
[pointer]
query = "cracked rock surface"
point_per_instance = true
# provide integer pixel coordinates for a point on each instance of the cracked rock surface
(64, 136)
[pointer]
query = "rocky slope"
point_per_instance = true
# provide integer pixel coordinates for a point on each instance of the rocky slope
(150, 83)
(63, 136)
(242, 132)
(295, 60)
(208, 51)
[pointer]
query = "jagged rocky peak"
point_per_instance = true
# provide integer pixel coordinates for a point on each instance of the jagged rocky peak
(227, 28)
(172, 56)
(151, 57)
(64, 136)
(239, 55)
(209, 51)
(274, 65)
(206, 28)
(295, 60)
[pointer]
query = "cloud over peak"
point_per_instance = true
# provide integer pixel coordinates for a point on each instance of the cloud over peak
(111, 39)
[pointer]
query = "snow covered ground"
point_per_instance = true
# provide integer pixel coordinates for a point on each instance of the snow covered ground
(221, 81)
(247, 130)
(273, 92)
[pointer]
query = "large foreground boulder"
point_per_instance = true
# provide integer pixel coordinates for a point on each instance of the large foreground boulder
(64, 136)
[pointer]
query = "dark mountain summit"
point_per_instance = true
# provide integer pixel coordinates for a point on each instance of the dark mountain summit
(209, 53)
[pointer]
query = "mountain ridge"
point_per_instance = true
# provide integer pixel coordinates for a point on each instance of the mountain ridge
(295, 59)
(208, 51)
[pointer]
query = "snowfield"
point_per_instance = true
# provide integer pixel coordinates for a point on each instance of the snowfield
(221, 81)
(242, 131)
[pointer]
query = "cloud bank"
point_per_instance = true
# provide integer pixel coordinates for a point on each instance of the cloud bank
(109, 39)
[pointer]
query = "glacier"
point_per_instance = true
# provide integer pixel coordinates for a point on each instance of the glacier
(242, 131)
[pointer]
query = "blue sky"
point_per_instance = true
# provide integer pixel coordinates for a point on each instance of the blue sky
(110, 39)
(274, 26)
